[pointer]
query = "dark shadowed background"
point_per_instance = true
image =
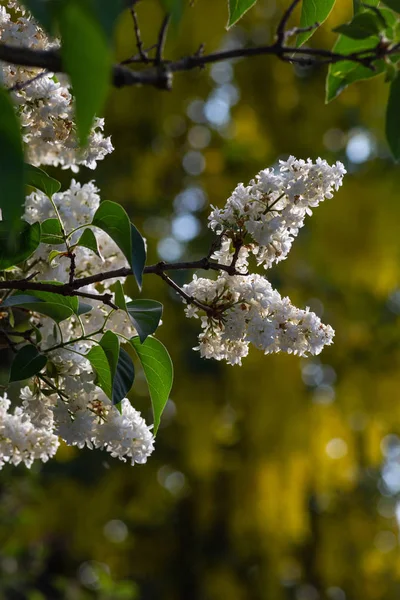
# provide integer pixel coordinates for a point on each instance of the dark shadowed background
(280, 479)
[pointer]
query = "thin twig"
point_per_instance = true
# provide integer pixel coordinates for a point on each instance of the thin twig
(18, 87)
(162, 38)
(139, 42)
(188, 299)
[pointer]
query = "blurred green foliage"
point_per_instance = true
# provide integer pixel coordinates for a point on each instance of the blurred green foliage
(280, 479)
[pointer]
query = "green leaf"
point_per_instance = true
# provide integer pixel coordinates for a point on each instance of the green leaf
(84, 308)
(52, 232)
(345, 72)
(393, 4)
(98, 359)
(393, 119)
(119, 296)
(312, 12)
(12, 197)
(27, 362)
(16, 248)
(70, 302)
(110, 344)
(138, 255)
(158, 369)
(145, 315)
(361, 27)
(358, 4)
(121, 366)
(87, 58)
(88, 240)
(107, 13)
(39, 179)
(56, 311)
(123, 378)
(41, 10)
(54, 254)
(112, 218)
(236, 10)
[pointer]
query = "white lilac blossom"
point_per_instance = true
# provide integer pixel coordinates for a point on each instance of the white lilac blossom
(45, 104)
(268, 213)
(246, 310)
(79, 413)
(262, 219)
(21, 440)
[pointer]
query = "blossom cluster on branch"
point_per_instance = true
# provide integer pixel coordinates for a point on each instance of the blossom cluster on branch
(64, 312)
(262, 219)
(44, 101)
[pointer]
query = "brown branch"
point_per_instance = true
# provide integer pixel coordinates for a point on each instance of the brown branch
(160, 73)
(72, 289)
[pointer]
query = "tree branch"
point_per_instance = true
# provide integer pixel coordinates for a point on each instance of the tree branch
(159, 75)
(71, 289)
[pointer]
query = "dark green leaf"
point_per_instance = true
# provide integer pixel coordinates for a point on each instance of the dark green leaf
(393, 119)
(121, 366)
(98, 359)
(87, 59)
(158, 369)
(41, 10)
(138, 255)
(358, 4)
(52, 232)
(55, 306)
(361, 27)
(123, 378)
(110, 344)
(39, 179)
(112, 218)
(236, 10)
(27, 362)
(119, 296)
(88, 240)
(393, 4)
(145, 315)
(12, 197)
(107, 13)
(312, 12)
(16, 248)
(84, 308)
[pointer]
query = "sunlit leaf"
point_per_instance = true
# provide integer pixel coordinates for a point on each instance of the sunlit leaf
(159, 373)
(236, 10)
(312, 12)
(98, 359)
(27, 362)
